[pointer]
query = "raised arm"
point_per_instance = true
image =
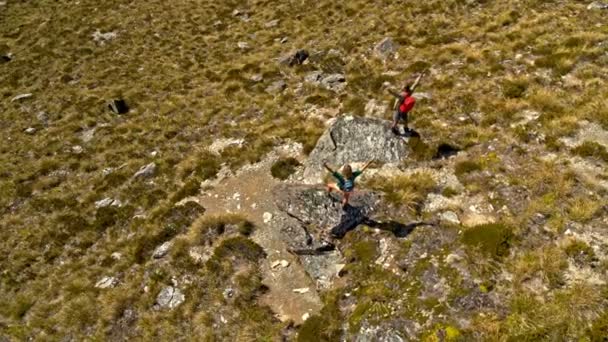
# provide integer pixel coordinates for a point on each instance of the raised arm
(367, 165)
(395, 94)
(413, 87)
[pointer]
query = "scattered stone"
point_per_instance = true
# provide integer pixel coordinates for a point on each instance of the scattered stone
(296, 58)
(597, 5)
(243, 45)
(272, 23)
(77, 149)
(162, 250)
(116, 256)
(118, 106)
(334, 82)
(449, 217)
(102, 38)
(257, 78)
(220, 144)
(301, 290)
(452, 258)
(228, 293)
(106, 282)
(146, 171)
(305, 317)
(30, 130)
(385, 48)
(283, 40)
(313, 77)
(267, 217)
(282, 263)
(153, 154)
(170, 297)
(21, 97)
(43, 117)
(106, 202)
(435, 202)
(276, 87)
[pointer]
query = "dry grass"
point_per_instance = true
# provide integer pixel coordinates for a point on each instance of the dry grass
(178, 67)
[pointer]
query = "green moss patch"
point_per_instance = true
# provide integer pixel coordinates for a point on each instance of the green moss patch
(493, 239)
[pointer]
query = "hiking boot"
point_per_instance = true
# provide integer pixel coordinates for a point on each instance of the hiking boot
(395, 130)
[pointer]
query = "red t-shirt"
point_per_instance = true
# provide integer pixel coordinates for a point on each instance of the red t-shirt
(407, 104)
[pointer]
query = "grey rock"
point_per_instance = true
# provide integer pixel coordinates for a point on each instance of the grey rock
(257, 78)
(449, 217)
(162, 250)
(243, 45)
(30, 130)
(334, 82)
(21, 97)
(385, 48)
(228, 293)
(383, 332)
(77, 149)
(146, 171)
(87, 135)
(375, 109)
(313, 77)
(106, 282)
(106, 202)
(352, 139)
(597, 5)
(296, 58)
(103, 38)
(436, 202)
(170, 297)
(276, 87)
(43, 117)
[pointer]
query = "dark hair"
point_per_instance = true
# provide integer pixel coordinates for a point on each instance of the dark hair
(408, 89)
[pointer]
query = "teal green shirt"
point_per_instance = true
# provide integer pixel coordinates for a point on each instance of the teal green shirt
(346, 184)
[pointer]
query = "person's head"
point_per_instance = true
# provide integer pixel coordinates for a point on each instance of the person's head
(347, 171)
(407, 89)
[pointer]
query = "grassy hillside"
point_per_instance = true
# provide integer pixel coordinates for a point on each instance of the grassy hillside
(179, 66)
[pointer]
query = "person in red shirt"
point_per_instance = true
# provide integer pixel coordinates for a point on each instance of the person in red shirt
(404, 104)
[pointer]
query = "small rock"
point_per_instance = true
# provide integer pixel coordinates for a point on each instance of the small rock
(452, 258)
(106, 202)
(334, 82)
(282, 263)
(30, 130)
(597, 5)
(21, 97)
(228, 293)
(198, 254)
(243, 45)
(313, 77)
(305, 317)
(87, 135)
(153, 154)
(267, 217)
(43, 117)
(386, 47)
(450, 217)
(102, 38)
(276, 87)
(301, 290)
(220, 144)
(106, 282)
(77, 149)
(162, 250)
(284, 40)
(116, 256)
(297, 58)
(146, 171)
(257, 78)
(118, 106)
(170, 297)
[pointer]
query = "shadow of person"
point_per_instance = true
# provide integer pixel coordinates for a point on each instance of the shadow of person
(410, 133)
(399, 229)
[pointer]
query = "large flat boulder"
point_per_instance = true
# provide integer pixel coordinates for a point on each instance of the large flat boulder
(353, 139)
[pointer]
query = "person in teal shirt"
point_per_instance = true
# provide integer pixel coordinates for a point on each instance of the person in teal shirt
(346, 180)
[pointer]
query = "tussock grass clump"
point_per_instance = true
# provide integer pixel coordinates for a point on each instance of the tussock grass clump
(465, 167)
(583, 209)
(207, 229)
(515, 88)
(580, 251)
(409, 191)
(494, 239)
(591, 149)
(284, 167)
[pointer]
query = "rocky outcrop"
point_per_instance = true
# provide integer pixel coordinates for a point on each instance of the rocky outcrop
(352, 139)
